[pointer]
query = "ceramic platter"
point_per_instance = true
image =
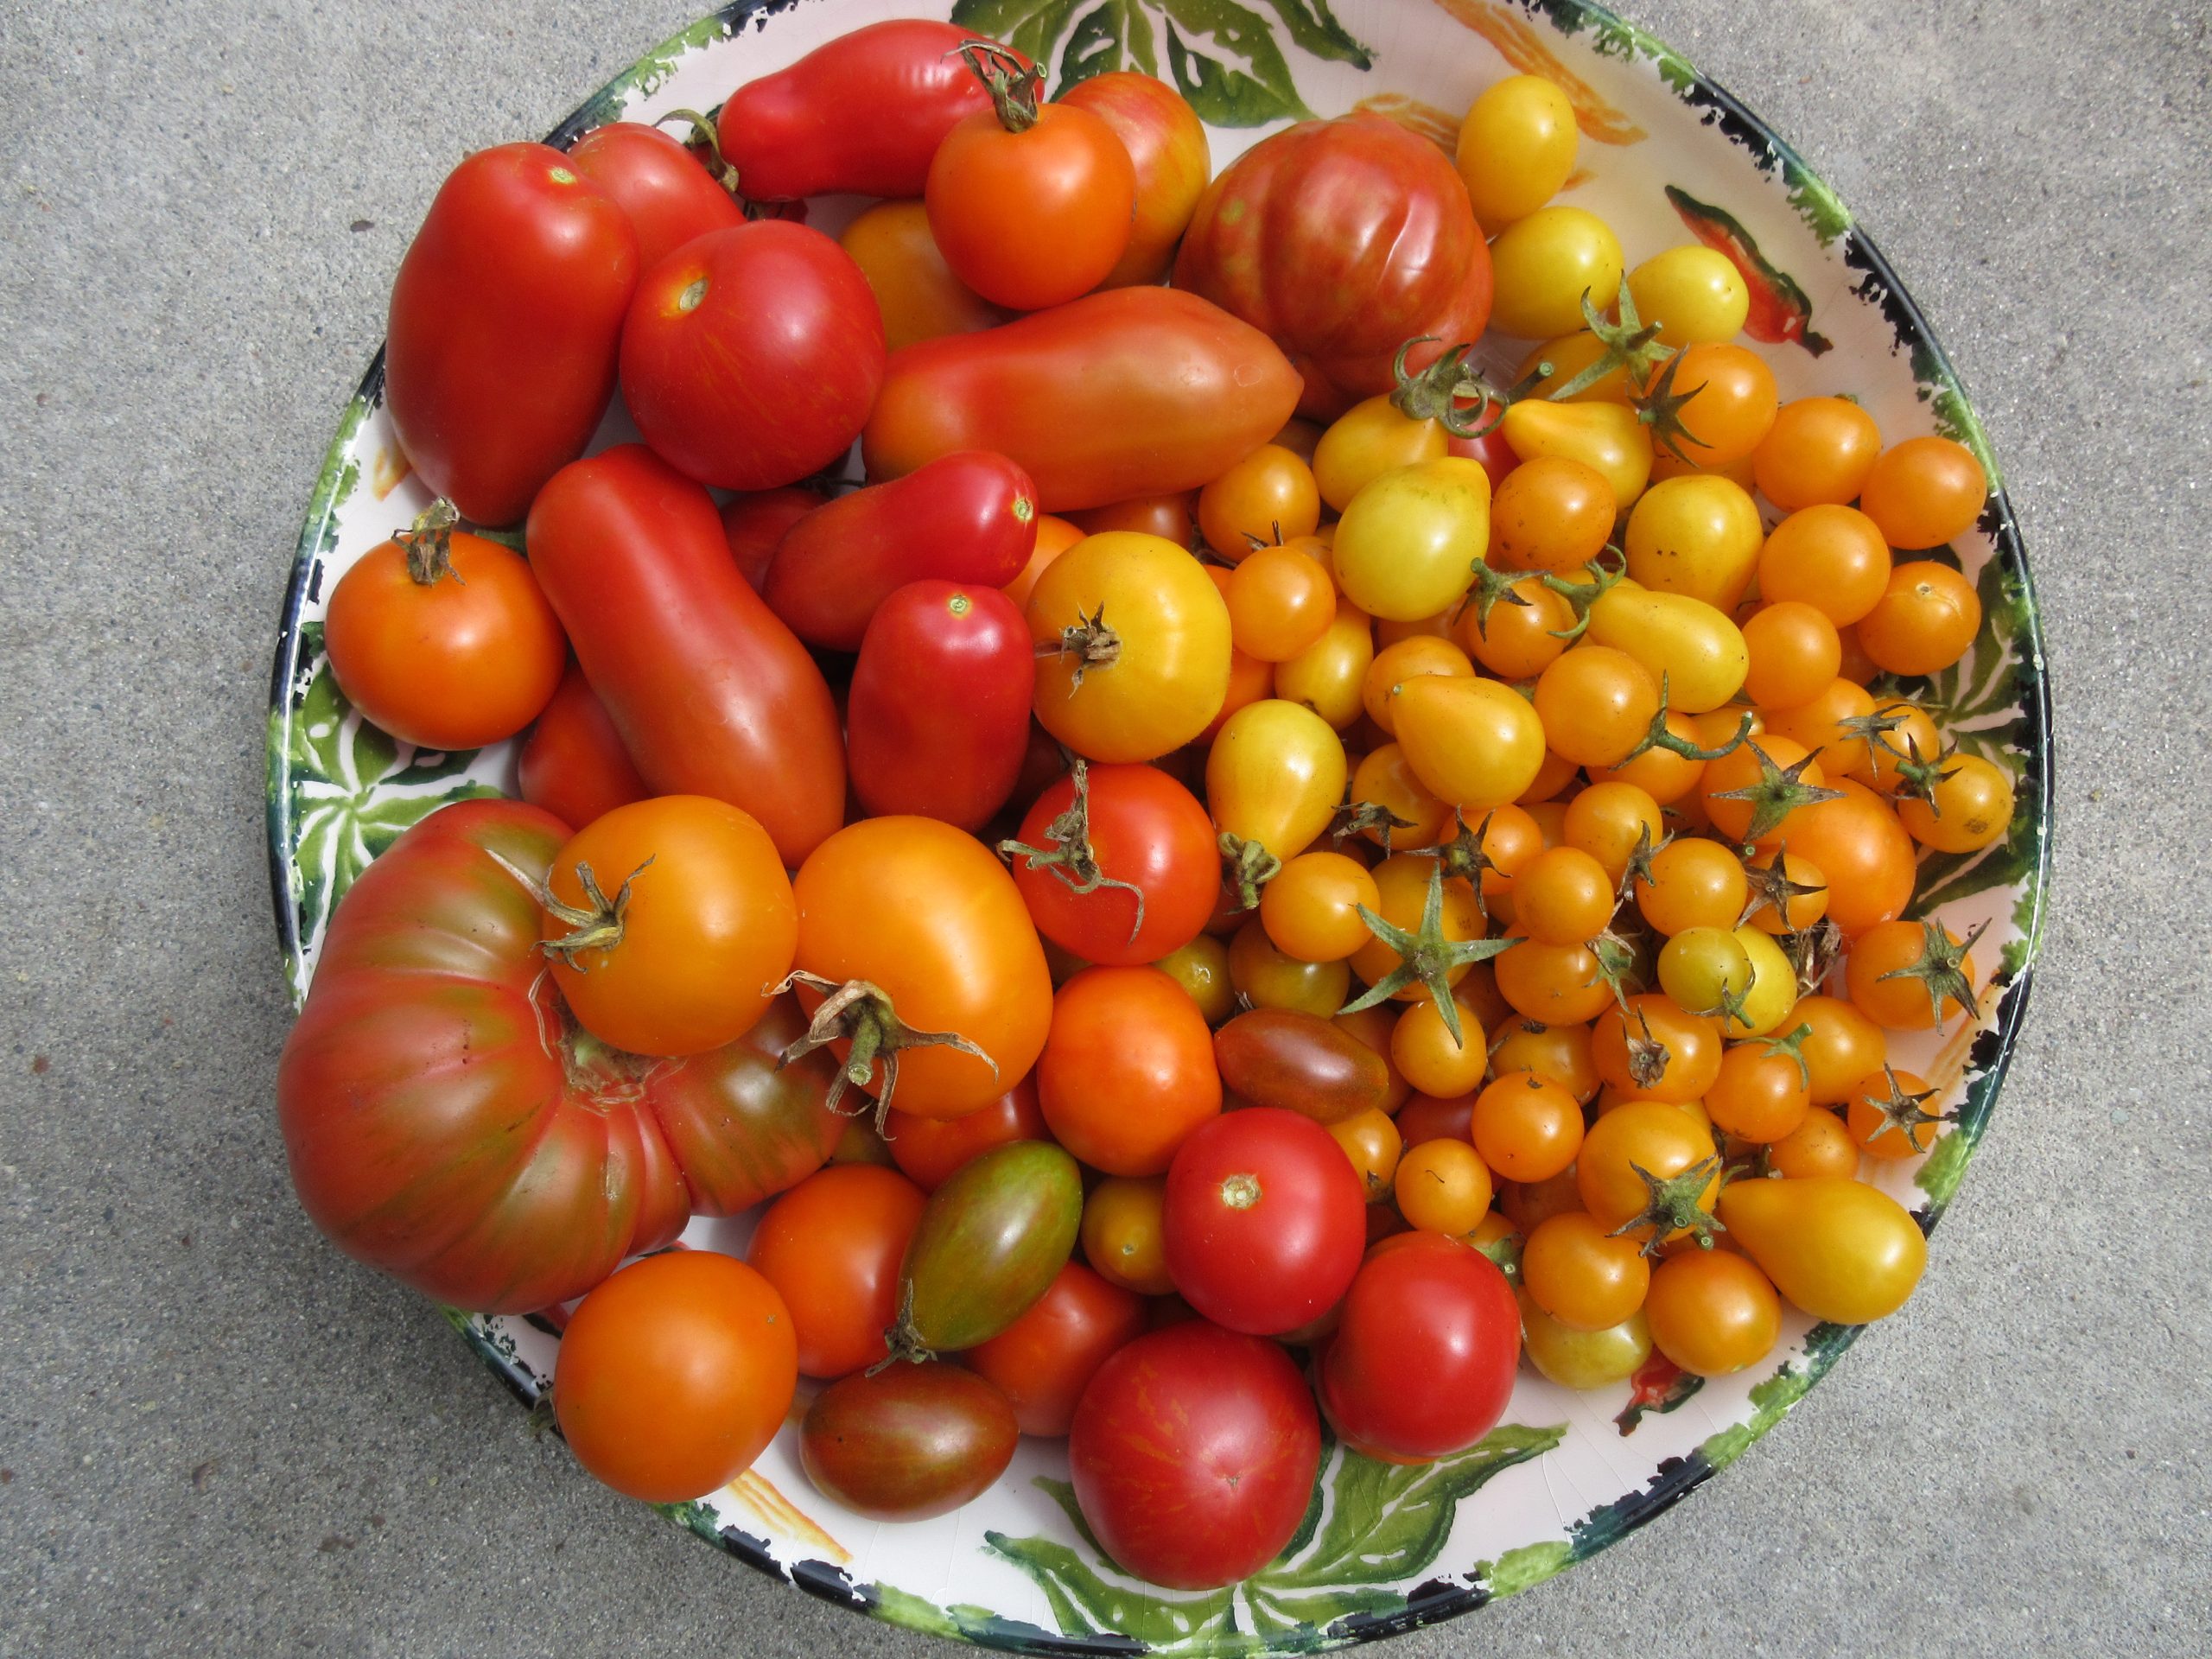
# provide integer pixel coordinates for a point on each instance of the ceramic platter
(1666, 156)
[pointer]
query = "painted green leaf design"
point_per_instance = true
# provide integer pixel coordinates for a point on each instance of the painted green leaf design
(1943, 877)
(1616, 37)
(1526, 1567)
(1028, 26)
(646, 76)
(1770, 1399)
(1085, 1603)
(1242, 80)
(1820, 208)
(1109, 36)
(1315, 28)
(1945, 1165)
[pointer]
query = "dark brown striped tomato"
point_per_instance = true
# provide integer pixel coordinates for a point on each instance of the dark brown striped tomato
(908, 1442)
(1280, 1056)
(990, 1243)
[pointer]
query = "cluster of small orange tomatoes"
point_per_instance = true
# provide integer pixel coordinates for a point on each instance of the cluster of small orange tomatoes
(1503, 795)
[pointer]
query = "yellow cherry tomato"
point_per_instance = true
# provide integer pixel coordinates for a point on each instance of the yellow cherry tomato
(1268, 497)
(1712, 1311)
(1474, 743)
(1699, 536)
(1328, 676)
(1606, 437)
(1311, 910)
(1972, 807)
(1274, 776)
(1202, 969)
(1701, 653)
(1148, 632)
(1693, 292)
(1269, 978)
(1516, 148)
(1408, 542)
(1541, 266)
(1837, 1247)
(1584, 1359)
(1774, 985)
(1371, 439)
(1415, 657)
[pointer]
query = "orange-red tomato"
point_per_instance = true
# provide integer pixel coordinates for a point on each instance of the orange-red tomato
(1858, 844)
(1128, 1071)
(1043, 1361)
(1925, 492)
(927, 1149)
(1583, 1276)
(831, 1247)
(1167, 148)
(1759, 1094)
(1909, 976)
(1677, 1054)
(1551, 513)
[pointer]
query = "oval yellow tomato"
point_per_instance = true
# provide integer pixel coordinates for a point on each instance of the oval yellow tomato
(1839, 1249)
(1698, 534)
(1693, 292)
(1474, 743)
(1274, 777)
(1774, 985)
(1143, 636)
(1584, 1359)
(1516, 150)
(1543, 265)
(1604, 436)
(1699, 651)
(1371, 439)
(1407, 544)
(1328, 674)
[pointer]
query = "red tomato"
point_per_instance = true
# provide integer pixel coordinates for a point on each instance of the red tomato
(750, 357)
(930, 1150)
(969, 517)
(1136, 391)
(1150, 843)
(443, 1119)
(1167, 142)
(1423, 1363)
(1030, 202)
(1265, 1221)
(659, 183)
(862, 113)
(573, 763)
(675, 1375)
(938, 718)
(831, 1246)
(713, 696)
(1044, 1359)
(1128, 1073)
(443, 640)
(753, 525)
(1193, 1453)
(1343, 240)
(1491, 449)
(506, 317)
(925, 914)
(1425, 1117)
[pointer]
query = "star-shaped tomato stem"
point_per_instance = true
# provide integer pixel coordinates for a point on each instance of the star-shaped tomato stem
(1779, 792)
(1676, 1205)
(1426, 956)
(1906, 1112)
(1942, 966)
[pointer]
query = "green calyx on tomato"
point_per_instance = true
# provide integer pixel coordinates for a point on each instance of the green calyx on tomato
(1659, 737)
(428, 543)
(596, 924)
(1581, 595)
(1770, 886)
(703, 141)
(1248, 867)
(862, 1014)
(1630, 346)
(1778, 792)
(1359, 817)
(1903, 1111)
(1073, 859)
(1941, 968)
(1792, 1043)
(1014, 86)
(1437, 393)
(1661, 409)
(1463, 858)
(1675, 1206)
(1424, 954)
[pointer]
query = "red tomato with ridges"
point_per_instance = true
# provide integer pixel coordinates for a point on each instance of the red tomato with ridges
(1167, 144)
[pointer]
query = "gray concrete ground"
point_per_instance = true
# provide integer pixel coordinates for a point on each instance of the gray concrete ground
(216, 1435)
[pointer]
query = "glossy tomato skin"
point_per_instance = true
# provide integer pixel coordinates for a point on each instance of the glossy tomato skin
(750, 356)
(1430, 1308)
(1167, 144)
(1127, 1071)
(938, 718)
(909, 1442)
(1342, 240)
(712, 695)
(926, 912)
(466, 659)
(1146, 829)
(1265, 1222)
(505, 320)
(1281, 1057)
(753, 525)
(444, 1122)
(1135, 392)
(832, 1246)
(1193, 1453)
(1034, 217)
(928, 1150)
(863, 113)
(990, 1241)
(1044, 1359)
(675, 1375)
(573, 763)
(667, 196)
(915, 290)
(967, 517)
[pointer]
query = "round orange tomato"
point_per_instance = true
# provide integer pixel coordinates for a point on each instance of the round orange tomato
(1925, 492)
(1266, 499)
(1527, 1126)
(1817, 453)
(1712, 1311)
(1123, 1236)
(669, 923)
(1831, 557)
(1862, 851)
(915, 290)
(1925, 620)
(1583, 1276)
(1128, 1071)
(1596, 704)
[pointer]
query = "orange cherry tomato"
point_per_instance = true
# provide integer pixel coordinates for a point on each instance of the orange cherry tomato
(1858, 844)
(1266, 499)
(1909, 976)
(1173, 518)
(1433, 1061)
(1406, 659)
(1925, 492)
(1925, 620)
(1820, 1145)
(1556, 984)
(1280, 602)
(1692, 883)
(1596, 703)
(1055, 535)
(1731, 402)
(1528, 1127)
(1563, 896)
(1656, 1049)
(1580, 1275)
(1402, 882)
(1817, 453)
(1610, 821)
(1712, 1311)
(1385, 780)
(1560, 1053)
(915, 290)
(1759, 1094)
(1441, 1186)
(1311, 910)
(1831, 557)
(1893, 1114)
(1373, 1143)
(1551, 513)
(1794, 653)
(1121, 1233)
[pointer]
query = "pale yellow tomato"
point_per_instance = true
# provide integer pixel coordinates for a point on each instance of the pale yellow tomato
(1774, 985)
(1516, 148)
(1543, 265)
(1697, 535)
(1584, 1359)
(1693, 292)
(1699, 651)
(1274, 776)
(1367, 441)
(1407, 544)
(1327, 676)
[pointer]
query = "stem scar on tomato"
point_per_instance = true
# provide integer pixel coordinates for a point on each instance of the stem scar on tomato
(1462, 857)
(1779, 792)
(428, 543)
(1353, 817)
(1248, 867)
(861, 1013)
(1073, 859)
(1092, 643)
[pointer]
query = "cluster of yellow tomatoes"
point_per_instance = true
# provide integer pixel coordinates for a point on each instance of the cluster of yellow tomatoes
(1620, 826)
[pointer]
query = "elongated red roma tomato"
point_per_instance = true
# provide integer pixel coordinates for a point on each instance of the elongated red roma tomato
(573, 763)
(1134, 391)
(712, 695)
(938, 718)
(750, 356)
(863, 113)
(506, 316)
(967, 517)
(667, 196)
